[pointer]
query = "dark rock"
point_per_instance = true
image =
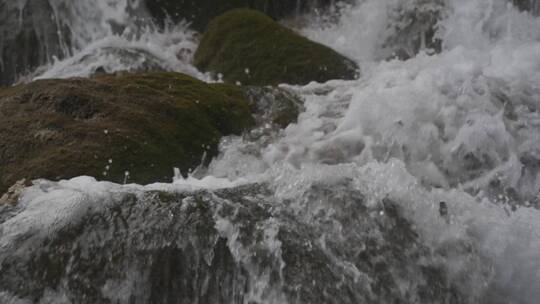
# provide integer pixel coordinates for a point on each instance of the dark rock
(248, 47)
(273, 105)
(226, 247)
(29, 37)
(199, 13)
(163, 249)
(532, 6)
(144, 124)
(400, 54)
(443, 209)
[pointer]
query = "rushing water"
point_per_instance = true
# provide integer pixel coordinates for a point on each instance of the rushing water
(343, 206)
(79, 38)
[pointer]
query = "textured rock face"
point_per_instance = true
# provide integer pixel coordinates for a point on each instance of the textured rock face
(199, 13)
(248, 47)
(133, 128)
(155, 250)
(237, 245)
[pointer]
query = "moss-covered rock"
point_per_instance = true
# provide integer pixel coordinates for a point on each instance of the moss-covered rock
(144, 124)
(248, 47)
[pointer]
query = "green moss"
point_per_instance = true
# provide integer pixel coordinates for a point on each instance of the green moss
(224, 105)
(244, 40)
(144, 124)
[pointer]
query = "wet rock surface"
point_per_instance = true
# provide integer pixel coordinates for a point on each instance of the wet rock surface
(234, 245)
(274, 105)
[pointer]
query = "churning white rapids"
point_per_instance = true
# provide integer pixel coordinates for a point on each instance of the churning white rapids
(460, 126)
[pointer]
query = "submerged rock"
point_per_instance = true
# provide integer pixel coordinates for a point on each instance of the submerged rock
(13, 194)
(236, 245)
(245, 46)
(124, 128)
(273, 105)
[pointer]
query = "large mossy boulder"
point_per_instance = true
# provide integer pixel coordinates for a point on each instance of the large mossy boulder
(142, 125)
(248, 47)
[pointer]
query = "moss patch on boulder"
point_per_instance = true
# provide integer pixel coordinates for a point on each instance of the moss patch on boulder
(248, 47)
(144, 124)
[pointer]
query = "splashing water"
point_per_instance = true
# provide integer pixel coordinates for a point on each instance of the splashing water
(460, 126)
(168, 50)
(458, 123)
(80, 38)
(466, 116)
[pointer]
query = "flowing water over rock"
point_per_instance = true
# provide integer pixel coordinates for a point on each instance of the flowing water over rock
(225, 246)
(78, 38)
(417, 183)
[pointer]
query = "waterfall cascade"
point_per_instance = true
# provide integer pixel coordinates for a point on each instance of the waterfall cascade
(417, 183)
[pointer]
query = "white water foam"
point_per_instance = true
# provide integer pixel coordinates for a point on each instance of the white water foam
(169, 50)
(461, 126)
(100, 36)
